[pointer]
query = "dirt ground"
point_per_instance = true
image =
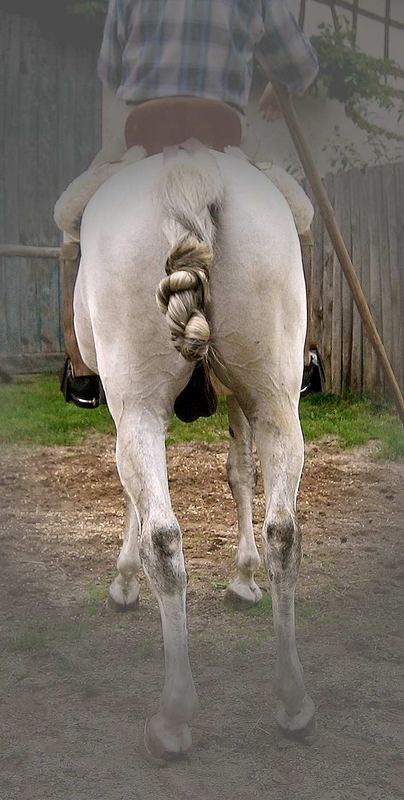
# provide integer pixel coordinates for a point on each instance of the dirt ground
(77, 680)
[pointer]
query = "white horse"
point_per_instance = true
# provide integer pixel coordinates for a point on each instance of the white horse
(235, 295)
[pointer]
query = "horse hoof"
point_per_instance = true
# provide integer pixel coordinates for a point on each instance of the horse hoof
(242, 595)
(301, 726)
(165, 741)
(124, 596)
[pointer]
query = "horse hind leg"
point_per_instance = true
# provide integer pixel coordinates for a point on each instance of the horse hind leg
(124, 590)
(141, 461)
(281, 451)
(241, 473)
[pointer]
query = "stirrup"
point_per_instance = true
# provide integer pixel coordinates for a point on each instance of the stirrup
(85, 391)
(313, 375)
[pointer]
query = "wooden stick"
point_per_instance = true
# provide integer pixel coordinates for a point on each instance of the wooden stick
(327, 211)
(26, 251)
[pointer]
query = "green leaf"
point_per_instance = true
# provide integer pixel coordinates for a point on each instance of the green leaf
(363, 83)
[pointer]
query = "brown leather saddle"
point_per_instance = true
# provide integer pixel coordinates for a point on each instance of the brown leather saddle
(169, 121)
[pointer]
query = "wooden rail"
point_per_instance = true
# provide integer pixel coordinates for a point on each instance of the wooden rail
(26, 251)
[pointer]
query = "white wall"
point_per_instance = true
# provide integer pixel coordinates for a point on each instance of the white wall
(319, 115)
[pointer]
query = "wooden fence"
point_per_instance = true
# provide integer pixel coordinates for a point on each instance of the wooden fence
(50, 128)
(369, 207)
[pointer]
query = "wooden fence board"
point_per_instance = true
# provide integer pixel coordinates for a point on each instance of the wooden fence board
(4, 35)
(26, 145)
(47, 186)
(51, 100)
(362, 250)
(327, 259)
(399, 198)
(390, 201)
(317, 289)
(375, 265)
(31, 362)
(336, 340)
(347, 300)
(11, 199)
(356, 348)
(385, 265)
(368, 206)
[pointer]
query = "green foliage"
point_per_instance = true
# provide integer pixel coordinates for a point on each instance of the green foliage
(33, 636)
(33, 411)
(97, 592)
(363, 83)
(220, 584)
(208, 430)
(353, 420)
(262, 609)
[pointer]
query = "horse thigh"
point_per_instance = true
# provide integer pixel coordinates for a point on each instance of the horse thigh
(83, 328)
(259, 314)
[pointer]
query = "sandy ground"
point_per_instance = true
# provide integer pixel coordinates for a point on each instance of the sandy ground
(77, 680)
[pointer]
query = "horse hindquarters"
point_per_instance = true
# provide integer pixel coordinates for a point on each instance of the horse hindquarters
(259, 320)
(255, 314)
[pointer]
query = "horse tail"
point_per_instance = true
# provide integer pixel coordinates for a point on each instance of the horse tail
(191, 194)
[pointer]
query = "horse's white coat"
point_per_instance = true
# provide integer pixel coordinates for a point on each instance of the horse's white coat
(300, 204)
(258, 319)
(70, 206)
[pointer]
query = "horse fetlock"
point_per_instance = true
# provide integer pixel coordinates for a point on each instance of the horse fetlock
(248, 560)
(128, 564)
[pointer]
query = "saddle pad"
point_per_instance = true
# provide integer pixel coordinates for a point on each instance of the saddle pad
(167, 122)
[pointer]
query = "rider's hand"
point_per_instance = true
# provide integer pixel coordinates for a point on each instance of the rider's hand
(269, 106)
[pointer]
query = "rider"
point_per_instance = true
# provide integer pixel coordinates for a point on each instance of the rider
(156, 54)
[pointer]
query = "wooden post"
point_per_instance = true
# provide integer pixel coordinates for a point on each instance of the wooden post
(327, 211)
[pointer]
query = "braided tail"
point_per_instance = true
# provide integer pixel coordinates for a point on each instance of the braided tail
(192, 188)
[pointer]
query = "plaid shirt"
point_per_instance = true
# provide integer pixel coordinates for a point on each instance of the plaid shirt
(202, 48)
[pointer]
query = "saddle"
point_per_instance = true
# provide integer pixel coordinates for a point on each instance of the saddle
(169, 121)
